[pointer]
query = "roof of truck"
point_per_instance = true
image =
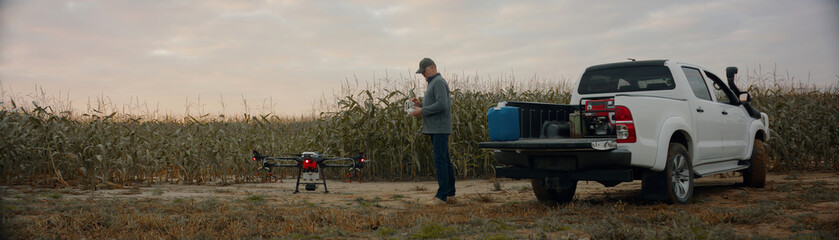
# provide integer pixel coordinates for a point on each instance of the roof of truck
(627, 64)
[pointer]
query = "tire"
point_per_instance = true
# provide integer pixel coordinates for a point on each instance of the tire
(755, 176)
(679, 174)
(553, 196)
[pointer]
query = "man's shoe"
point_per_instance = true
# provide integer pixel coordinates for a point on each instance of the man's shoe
(435, 201)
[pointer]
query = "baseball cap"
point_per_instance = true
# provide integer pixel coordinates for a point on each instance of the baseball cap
(426, 62)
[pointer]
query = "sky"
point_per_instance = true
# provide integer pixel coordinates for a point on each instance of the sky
(169, 53)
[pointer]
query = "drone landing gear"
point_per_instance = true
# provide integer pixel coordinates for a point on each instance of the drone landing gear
(353, 174)
(310, 183)
(266, 175)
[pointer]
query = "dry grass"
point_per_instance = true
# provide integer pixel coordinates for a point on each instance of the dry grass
(732, 213)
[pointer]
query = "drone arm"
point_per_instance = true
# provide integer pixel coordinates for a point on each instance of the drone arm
(337, 162)
(335, 165)
(288, 165)
(284, 161)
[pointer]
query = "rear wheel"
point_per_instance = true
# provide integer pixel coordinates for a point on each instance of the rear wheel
(755, 176)
(679, 174)
(552, 196)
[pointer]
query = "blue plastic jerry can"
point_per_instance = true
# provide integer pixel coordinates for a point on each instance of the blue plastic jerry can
(503, 123)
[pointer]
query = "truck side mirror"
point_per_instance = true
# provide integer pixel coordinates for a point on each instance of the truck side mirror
(745, 97)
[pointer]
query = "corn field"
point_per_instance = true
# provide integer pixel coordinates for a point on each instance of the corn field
(43, 146)
(803, 122)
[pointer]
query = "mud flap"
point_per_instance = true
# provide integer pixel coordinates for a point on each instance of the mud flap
(654, 186)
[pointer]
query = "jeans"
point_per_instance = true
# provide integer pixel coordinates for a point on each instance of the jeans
(443, 164)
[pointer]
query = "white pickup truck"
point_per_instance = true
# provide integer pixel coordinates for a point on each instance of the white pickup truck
(661, 121)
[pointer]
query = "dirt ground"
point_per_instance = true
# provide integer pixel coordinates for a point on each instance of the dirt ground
(719, 191)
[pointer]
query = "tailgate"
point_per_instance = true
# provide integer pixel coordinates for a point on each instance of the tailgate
(547, 144)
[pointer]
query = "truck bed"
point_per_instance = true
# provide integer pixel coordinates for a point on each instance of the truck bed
(533, 115)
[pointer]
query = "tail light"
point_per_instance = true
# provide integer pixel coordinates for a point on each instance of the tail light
(309, 164)
(624, 125)
(254, 158)
(362, 160)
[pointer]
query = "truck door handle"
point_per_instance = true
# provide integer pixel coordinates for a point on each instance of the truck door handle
(724, 113)
(700, 110)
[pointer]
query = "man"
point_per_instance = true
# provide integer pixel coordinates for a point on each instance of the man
(436, 112)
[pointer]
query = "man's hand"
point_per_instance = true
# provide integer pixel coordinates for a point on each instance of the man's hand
(417, 112)
(417, 102)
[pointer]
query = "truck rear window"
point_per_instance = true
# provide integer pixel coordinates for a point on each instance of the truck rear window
(626, 79)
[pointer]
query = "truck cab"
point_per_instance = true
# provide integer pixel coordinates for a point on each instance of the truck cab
(661, 121)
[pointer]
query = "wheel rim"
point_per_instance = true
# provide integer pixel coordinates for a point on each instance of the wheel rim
(680, 176)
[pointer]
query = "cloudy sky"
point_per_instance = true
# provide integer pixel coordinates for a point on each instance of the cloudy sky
(295, 52)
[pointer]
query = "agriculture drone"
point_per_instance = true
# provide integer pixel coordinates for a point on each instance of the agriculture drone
(309, 165)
